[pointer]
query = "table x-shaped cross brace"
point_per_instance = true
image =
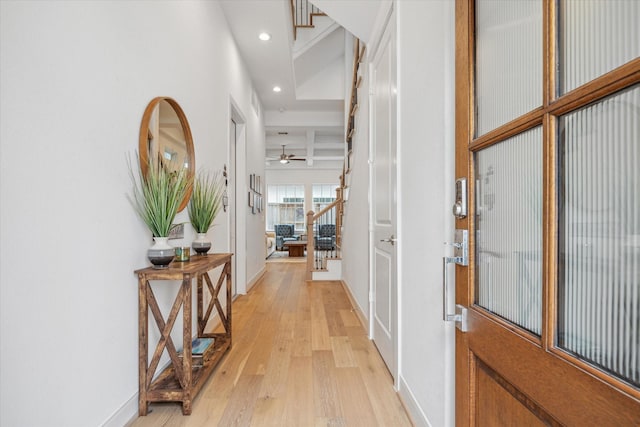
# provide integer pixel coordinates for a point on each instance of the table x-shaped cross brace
(213, 291)
(165, 331)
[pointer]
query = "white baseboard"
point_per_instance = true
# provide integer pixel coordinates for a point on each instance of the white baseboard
(125, 415)
(333, 271)
(128, 412)
(418, 417)
(256, 278)
(359, 313)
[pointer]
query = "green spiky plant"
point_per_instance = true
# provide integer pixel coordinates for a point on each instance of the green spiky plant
(206, 200)
(157, 196)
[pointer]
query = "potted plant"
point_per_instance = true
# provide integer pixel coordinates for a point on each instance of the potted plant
(156, 196)
(205, 203)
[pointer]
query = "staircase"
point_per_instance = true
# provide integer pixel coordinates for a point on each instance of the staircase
(317, 54)
(302, 14)
(324, 239)
(319, 45)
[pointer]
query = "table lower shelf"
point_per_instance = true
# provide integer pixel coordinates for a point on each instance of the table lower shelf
(166, 387)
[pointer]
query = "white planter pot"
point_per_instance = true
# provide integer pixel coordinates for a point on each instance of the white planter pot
(201, 245)
(161, 253)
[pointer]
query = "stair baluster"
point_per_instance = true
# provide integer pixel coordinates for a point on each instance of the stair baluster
(323, 236)
(302, 13)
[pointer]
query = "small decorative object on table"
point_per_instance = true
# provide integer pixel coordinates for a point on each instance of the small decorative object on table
(183, 253)
(156, 198)
(201, 350)
(205, 203)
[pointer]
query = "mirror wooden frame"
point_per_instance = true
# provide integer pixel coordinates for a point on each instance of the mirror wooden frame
(143, 144)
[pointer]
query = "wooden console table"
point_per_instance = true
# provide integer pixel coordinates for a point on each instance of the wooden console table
(182, 379)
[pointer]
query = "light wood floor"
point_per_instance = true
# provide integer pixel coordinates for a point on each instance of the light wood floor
(300, 357)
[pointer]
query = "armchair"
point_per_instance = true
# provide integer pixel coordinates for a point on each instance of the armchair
(284, 233)
(326, 237)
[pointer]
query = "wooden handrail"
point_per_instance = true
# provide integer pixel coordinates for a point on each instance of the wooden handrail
(358, 56)
(325, 209)
(303, 18)
(293, 20)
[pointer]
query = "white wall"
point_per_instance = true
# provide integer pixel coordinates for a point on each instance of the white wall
(425, 165)
(357, 16)
(75, 79)
(254, 223)
(355, 238)
(328, 84)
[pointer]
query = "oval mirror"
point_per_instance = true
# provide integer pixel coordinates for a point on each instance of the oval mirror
(165, 135)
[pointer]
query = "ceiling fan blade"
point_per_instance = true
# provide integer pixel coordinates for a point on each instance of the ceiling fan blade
(286, 158)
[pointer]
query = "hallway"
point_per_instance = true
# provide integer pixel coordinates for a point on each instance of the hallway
(300, 357)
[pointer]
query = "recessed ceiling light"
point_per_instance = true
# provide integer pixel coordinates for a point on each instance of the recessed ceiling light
(264, 36)
(277, 89)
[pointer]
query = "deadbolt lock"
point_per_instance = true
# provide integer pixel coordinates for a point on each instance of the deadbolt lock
(460, 205)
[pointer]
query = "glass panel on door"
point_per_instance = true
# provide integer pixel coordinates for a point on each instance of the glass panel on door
(596, 37)
(599, 269)
(509, 229)
(508, 62)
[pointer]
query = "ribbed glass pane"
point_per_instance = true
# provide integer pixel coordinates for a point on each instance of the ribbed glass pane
(508, 61)
(509, 229)
(596, 36)
(599, 271)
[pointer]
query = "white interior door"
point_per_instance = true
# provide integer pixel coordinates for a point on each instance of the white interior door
(383, 200)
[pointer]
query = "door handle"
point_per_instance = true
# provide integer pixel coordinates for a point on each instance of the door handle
(461, 257)
(391, 239)
(460, 315)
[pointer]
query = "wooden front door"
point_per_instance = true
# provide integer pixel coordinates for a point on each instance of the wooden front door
(548, 137)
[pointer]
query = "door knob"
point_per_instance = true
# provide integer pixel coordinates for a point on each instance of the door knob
(391, 239)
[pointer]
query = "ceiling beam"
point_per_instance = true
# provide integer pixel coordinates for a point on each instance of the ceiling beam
(317, 119)
(311, 140)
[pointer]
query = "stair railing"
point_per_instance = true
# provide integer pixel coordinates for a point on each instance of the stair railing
(324, 236)
(302, 13)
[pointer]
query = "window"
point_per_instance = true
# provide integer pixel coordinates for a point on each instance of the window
(285, 205)
(322, 195)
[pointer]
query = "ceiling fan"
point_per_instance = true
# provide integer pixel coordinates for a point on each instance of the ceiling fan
(286, 158)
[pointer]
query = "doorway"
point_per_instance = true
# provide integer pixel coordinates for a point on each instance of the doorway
(237, 216)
